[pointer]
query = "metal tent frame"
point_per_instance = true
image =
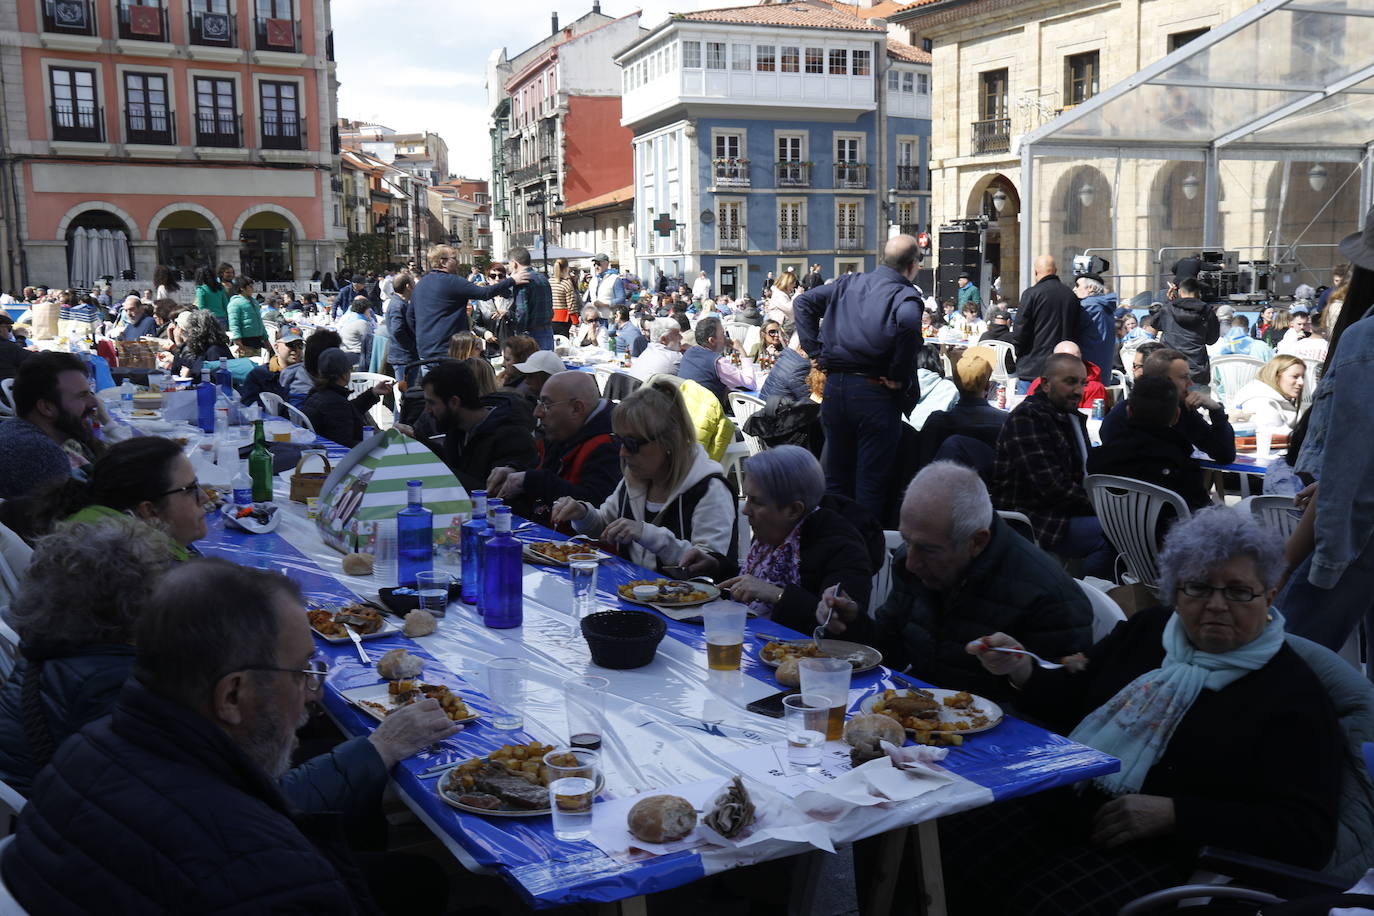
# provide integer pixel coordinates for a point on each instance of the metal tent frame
(1227, 95)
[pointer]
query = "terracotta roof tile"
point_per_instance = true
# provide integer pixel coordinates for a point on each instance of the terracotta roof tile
(903, 51)
(618, 196)
(799, 14)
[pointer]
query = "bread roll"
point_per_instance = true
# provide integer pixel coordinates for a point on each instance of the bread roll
(399, 664)
(420, 622)
(662, 818)
(357, 564)
(789, 673)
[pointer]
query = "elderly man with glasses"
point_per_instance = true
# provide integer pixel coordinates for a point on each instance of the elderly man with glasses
(439, 304)
(577, 456)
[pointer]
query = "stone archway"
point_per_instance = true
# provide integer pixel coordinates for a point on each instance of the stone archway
(1079, 215)
(1320, 208)
(1004, 230)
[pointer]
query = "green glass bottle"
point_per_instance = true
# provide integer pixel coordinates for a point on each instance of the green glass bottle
(260, 465)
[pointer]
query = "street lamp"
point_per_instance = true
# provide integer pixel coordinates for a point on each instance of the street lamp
(1190, 186)
(541, 201)
(1086, 195)
(1316, 177)
(999, 200)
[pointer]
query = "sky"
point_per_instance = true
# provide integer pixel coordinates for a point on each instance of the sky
(418, 65)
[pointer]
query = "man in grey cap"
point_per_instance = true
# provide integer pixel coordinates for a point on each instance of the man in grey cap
(284, 375)
(605, 289)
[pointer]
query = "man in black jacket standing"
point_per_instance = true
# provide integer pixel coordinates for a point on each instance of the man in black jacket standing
(867, 345)
(1049, 312)
(1190, 325)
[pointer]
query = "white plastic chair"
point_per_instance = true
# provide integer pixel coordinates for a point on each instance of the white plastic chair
(7, 386)
(1310, 382)
(1117, 390)
(1106, 612)
(1277, 512)
(1129, 511)
(1018, 522)
(752, 335)
(8, 905)
(9, 649)
(744, 406)
(603, 374)
(733, 461)
(561, 341)
(1003, 351)
(361, 382)
(882, 579)
(277, 406)
(1233, 372)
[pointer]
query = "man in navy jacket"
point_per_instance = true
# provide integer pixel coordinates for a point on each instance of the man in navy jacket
(439, 304)
(867, 345)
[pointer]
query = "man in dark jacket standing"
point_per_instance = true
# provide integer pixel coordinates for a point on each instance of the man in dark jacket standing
(1049, 313)
(1189, 325)
(576, 455)
(867, 345)
(476, 438)
(439, 305)
(949, 587)
(533, 302)
(813, 278)
(170, 803)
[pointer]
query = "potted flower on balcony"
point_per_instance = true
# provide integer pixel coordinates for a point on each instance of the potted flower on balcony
(729, 160)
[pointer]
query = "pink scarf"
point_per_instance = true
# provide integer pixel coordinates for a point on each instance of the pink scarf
(780, 565)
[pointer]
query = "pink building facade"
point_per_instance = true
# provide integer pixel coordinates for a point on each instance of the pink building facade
(203, 130)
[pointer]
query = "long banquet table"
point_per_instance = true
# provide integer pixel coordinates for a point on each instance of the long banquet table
(670, 723)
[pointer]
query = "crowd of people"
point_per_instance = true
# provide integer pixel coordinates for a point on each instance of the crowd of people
(872, 421)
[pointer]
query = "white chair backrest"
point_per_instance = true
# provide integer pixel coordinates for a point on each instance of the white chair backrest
(603, 374)
(1018, 522)
(297, 416)
(379, 413)
(752, 334)
(1234, 371)
(7, 405)
(882, 579)
(8, 905)
(1003, 351)
(1106, 612)
(1277, 512)
(1129, 511)
(1310, 383)
(745, 406)
(560, 340)
(9, 649)
(272, 404)
(14, 559)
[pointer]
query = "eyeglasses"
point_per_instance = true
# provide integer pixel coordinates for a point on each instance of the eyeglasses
(314, 672)
(191, 487)
(1238, 594)
(546, 404)
(631, 444)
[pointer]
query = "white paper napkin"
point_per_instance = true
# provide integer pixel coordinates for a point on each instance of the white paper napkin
(874, 783)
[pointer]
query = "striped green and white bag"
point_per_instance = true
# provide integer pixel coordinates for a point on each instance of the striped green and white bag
(372, 488)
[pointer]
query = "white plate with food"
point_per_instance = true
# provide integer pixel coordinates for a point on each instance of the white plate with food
(862, 658)
(502, 784)
(367, 622)
(259, 518)
(667, 592)
(556, 553)
(934, 709)
(381, 700)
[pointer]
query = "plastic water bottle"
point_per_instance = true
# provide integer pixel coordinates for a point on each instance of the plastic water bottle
(502, 599)
(224, 379)
(467, 545)
(205, 407)
(368, 431)
(243, 486)
(126, 396)
(414, 537)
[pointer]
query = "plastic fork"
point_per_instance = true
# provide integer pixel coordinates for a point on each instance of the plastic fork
(1029, 654)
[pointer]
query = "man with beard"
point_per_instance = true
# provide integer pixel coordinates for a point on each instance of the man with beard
(275, 377)
(54, 403)
(477, 438)
(176, 791)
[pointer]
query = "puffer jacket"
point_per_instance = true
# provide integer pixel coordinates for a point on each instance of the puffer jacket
(1046, 611)
(200, 828)
(714, 430)
(1189, 326)
(1097, 333)
(245, 319)
(712, 524)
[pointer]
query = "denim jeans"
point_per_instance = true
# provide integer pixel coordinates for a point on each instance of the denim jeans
(543, 337)
(1086, 540)
(863, 425)
(1329, 615)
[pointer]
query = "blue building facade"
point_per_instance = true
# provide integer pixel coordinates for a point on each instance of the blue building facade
(783, 137)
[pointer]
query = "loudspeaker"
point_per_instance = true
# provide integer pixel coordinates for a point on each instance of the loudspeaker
(947, 280)
(953, 240)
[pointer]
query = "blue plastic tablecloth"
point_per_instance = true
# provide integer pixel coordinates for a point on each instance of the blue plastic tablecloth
(1012, 760)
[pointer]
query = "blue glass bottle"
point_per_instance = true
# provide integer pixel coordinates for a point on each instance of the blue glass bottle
(205, 407)
(414, 536)
(467, 545)
(225, 379)
(483, 535)
(502, 600)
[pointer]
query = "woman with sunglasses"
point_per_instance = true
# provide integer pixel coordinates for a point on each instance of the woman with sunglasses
(770, 344)
(147, 478)
(493, 320)
(673, 499)
(591, 331)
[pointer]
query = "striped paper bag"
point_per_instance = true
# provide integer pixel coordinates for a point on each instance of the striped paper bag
(373, 488)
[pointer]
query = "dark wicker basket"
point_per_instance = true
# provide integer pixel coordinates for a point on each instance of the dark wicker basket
(623, 639)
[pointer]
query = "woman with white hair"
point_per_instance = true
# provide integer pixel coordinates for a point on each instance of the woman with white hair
(1190, 699)
(800, 548)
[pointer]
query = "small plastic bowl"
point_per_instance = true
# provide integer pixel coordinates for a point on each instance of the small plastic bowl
(623, 639)
(645, 592)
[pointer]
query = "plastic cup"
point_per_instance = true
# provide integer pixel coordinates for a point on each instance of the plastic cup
(586, 705)
(572, 774)
(805, 719)
(506, 689)
(829, 678)
(582, 568)
(1264, 439)
(432, 587)
(724, 636)
(384, 549)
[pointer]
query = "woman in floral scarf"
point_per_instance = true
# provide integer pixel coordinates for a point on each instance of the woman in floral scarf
(800, 547)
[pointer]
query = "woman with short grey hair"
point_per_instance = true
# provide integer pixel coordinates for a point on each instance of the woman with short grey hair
(800, 548)
(1190, 699)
